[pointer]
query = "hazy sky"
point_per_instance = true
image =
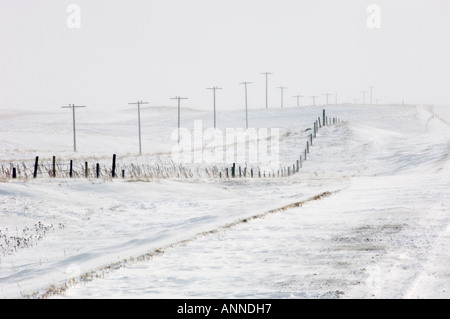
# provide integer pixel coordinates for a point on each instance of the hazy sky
(152, 50)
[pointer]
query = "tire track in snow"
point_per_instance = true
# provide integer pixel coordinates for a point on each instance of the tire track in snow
(100, 272)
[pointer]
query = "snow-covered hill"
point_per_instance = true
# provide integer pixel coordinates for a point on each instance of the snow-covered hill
(367, 216)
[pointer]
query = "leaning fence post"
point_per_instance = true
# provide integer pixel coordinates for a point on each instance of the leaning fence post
(36, 164)
(307, 146)
(305, 154)
(113, 172)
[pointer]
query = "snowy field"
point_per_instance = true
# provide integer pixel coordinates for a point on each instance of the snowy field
(367, 216)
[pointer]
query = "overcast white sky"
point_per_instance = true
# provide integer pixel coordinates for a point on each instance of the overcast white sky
(153, 50)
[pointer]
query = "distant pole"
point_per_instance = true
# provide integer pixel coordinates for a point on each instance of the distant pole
(139, 122)
(298, 99)
(335, 99)
(327, 95)
(282, 91)
(214, 94)
(179, 99)
(73, 107)
(267, 94)
(364, 96)
(371, 88)
(246, 106)
(314, 99)
(355, 100)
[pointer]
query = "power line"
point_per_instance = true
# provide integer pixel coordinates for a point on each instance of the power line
(73, 107)
(139, 122)
(214, 90)
(267, 94)
(327, 95)
(314, 99)
(371, 88)
(282, 90)
(179, 99)
(364, 97)
(298, 99)
(245, 83)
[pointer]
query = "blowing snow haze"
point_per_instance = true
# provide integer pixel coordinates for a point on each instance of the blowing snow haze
(105, 54)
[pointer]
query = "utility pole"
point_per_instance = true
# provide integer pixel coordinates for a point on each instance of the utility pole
(282, 90)
(327, 95)
(214, 88)
(73, 107)
(179, 99)
(139, 122)
(371, 88)
(267, 94)
(246, 106)
(314, 99)
(364, 97)
(298, 99)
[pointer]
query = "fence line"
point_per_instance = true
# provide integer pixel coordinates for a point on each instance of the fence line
(146, 171)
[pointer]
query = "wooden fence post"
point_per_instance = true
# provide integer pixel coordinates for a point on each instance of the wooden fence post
(71, 169)
(86, 170)
(324, 117)
(14, 173)
(97, 170)
(113, 172)
(36, 164)
(54, 166)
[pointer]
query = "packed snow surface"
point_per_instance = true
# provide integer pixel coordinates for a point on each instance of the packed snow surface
(367, 215)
